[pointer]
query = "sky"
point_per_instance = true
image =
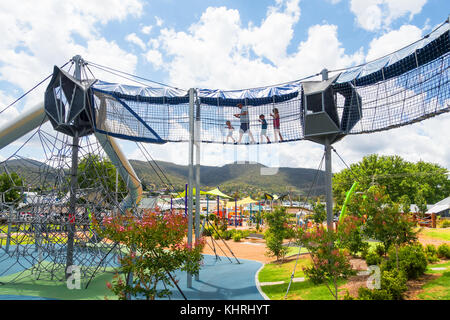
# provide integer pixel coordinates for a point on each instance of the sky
(222, 44)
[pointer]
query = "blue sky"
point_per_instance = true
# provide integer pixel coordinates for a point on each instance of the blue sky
(222, 44)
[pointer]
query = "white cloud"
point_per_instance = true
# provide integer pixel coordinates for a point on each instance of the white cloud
(154, 57)
(35, 42)
(218, 52)
(146, 29)
(373, 15)
(159, 21)
(392, 41)
(133, 38)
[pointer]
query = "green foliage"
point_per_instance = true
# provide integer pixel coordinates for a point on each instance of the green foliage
(373, 294)
(431, 253)
(443, 251)
(351, 235)
(380, 249)
(394, 282)
(329, 263)
(372, 258)
(10, 186)
(393, 286)
(277, 229)
(95, 171)
(237, 237)
(444, 223)
(411, 259)
(399, 176)
(320, 213)
(384, 220)
(155, 247)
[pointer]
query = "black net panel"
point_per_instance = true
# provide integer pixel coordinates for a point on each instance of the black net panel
(407, 86)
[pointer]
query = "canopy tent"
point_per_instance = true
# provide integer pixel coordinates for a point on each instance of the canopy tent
(242, 202)
(183, 194)
(217, 192)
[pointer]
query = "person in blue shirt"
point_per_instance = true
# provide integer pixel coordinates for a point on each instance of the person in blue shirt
(263, 121)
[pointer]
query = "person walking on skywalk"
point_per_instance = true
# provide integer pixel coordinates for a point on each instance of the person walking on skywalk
(245, 122)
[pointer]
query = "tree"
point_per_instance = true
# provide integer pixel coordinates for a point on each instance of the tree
(278, 229)
(384, 220)
(155, 248)
(400, 178)
(10, 186)
(329, 263)
(320, 213)
(94, 171)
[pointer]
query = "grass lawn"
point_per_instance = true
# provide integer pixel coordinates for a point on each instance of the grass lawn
(294, 251)
(282, 272)
(437, 289)
(299, 291)
(306, 290)
(439, 234)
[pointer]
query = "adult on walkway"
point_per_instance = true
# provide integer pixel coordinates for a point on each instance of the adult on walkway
(245, 122)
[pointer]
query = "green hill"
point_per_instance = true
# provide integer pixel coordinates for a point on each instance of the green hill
(245, 178)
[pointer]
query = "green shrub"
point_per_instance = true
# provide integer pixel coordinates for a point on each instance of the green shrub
(431, 253)
(364, 251)
(208, 231)
(411, 259)
(245, 233)
(443, 251)
(445, 224)
(372, 258)
(226, 234)
(394, 282)
(380, 249)
(373, 294)
(237, 237)
(393, 285)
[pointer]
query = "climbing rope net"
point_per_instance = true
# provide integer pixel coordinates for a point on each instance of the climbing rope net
(407, 86)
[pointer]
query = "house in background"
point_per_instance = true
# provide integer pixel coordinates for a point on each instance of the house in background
(442, 208)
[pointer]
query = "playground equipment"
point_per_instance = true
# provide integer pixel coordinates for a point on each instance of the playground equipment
(399, 89)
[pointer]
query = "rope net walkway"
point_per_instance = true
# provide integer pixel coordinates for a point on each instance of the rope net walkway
(407, 86)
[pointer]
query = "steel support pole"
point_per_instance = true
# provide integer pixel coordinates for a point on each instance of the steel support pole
(328, 184)
(72, 203)
(191, 176)
(197, 174)
(73, 183)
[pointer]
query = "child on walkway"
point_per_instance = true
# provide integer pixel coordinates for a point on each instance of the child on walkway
(276, 124)
(230, 131)
(245, 122)
(263, 121)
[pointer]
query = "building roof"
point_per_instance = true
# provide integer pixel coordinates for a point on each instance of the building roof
(440, 206)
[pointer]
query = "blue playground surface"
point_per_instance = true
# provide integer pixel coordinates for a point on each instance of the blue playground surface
(219, 279)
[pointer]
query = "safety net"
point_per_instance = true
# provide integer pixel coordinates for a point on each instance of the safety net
(404, 87)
